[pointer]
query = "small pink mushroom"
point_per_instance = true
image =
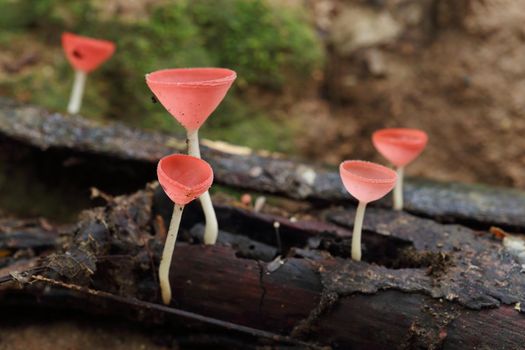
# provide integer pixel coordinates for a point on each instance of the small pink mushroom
(367, 182)
(85, 55)
(400, 146)
(183, 178)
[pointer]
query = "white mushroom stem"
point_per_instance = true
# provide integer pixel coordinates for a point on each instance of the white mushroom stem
(212, 227)
(167, 254)
(356, 235)
(398, 190)
(75, 101)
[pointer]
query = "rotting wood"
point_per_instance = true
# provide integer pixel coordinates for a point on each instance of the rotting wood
(475, 205)
(163, 313)
(446, 277)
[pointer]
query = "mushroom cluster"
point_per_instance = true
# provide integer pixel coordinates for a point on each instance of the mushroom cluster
(368, 181)
(190, 95)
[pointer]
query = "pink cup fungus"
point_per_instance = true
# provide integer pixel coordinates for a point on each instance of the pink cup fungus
(400, 146)
(183, 178)
(367, 182)
(190, 95)
(85, 55)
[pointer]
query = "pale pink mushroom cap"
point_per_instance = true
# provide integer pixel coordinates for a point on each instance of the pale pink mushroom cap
(400, 146)
(184, 177)
(367, 181)
(84, 53)
(191, 94)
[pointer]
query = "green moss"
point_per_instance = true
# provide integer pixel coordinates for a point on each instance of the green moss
(249, 126)
(261, 42)
(267, 46)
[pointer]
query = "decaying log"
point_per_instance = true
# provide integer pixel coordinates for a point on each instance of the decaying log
(422, 284)
(16, 234)
(184, 326)
(24, 239)
(477, 206)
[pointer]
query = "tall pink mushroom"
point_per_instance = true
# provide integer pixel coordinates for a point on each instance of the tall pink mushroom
(367, 182)
(85, 55)
(190, 95)
(400, 146)
(183, 178)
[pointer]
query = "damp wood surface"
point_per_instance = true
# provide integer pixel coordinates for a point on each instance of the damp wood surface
(422, 284)
(474, 205)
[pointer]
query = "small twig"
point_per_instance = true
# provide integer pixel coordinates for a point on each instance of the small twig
(96, 193)
(179, 313)
(6, 278)
(11, 276)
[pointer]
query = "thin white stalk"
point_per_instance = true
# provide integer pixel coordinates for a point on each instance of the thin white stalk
(356, 235)
(193, 143)
(398, 190)
(212, 226)
(211, 229)
(167, 254)
(75, 100)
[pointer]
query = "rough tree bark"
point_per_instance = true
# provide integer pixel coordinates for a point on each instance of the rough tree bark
(422, 284)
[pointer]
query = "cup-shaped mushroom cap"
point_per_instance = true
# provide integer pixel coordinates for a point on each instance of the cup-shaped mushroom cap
(399, 145)
(190, 94)
(367, 181)
(84, 53)
(184, 177)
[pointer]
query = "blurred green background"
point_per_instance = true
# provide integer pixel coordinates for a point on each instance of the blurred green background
(274, 50)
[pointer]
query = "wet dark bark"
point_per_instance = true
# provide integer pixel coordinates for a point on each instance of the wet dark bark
(477, 206)
(422, 284)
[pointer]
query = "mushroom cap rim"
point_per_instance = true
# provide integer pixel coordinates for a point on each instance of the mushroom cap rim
(417, 136)
(150, 77)
(391, 173)
(177, 183)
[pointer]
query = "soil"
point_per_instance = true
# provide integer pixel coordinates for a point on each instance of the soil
(70, 332)
(462, 82)
(71, 336)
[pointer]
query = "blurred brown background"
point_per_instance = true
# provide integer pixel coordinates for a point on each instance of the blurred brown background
(452, 68)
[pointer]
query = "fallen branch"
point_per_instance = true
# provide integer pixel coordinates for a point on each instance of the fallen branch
(430, 285)
(480, 206)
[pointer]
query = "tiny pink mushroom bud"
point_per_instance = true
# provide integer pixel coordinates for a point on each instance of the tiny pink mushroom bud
(367, 182)
(246, 199)
(190, 95)
(85, 55)
(183, 178)
(400, 146)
